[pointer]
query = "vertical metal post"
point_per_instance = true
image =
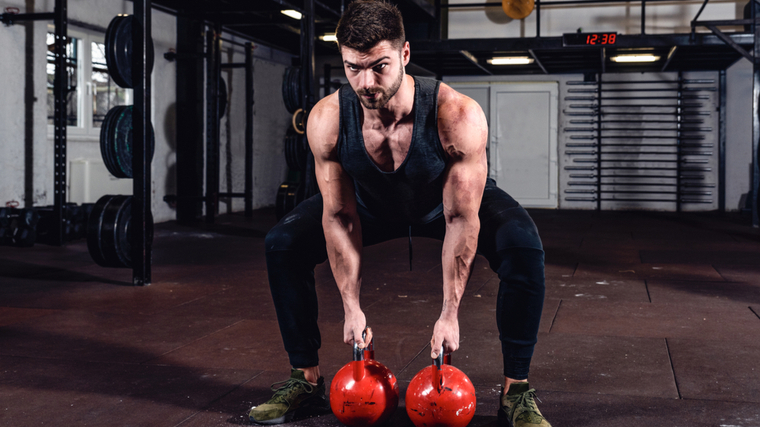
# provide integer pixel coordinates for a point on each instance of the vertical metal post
(755, 122)
(142, 219)
(307, 84)
(722, 142)
(538, 18)
(190, 119)
(643, 17)
(436, 33)
(249, 129)
(327, 75)
(679, 159)
(307, 55)
(213, 73)
(599, 142)
(60, 88)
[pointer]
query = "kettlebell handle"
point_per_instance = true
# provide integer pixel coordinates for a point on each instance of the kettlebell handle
(359, 352)
(442, 359)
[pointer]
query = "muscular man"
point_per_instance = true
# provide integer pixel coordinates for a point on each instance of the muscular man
(394, 151)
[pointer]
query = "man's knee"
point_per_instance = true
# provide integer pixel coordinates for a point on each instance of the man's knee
(518, 231)
(279, 238)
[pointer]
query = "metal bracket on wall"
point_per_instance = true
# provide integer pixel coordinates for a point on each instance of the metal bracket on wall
(713, 26)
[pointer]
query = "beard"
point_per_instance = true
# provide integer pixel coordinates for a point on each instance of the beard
(383, 95)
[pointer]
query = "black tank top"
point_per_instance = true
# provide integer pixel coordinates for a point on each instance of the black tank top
(413, 193)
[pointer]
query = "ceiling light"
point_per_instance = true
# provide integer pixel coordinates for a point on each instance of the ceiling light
(329, 37)
(291, 13)
(510, 60)
(635, 58)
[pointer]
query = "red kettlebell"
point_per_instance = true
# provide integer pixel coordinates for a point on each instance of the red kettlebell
(364, 392)
(440, 395)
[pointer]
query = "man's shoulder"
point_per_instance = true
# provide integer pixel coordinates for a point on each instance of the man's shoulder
(324, 123)
(453, 104)
(327, 107)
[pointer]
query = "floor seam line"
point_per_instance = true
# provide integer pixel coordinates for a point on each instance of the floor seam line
(673, 369)
(413, 358)
(646, 286)
(551, 326)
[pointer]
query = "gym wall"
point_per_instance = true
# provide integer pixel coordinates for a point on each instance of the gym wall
(660, 18)
(26, 140)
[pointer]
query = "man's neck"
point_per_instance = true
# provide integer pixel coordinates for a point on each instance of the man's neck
(397, 108)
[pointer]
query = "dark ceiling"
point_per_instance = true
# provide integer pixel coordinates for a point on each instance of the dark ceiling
(262, 22)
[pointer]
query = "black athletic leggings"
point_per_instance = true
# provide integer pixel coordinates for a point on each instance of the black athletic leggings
(508, 240)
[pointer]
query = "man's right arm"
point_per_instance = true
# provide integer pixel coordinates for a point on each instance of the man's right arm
(340, 221)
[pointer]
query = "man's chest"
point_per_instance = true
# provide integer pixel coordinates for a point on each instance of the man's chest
(388, 148)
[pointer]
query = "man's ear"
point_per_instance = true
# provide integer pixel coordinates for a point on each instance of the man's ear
(405, 54)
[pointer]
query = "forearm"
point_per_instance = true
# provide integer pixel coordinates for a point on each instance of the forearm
(343, 236)
(459, 248)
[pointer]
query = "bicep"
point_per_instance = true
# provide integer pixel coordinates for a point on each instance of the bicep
(336, 186)
(334, 183)
(463, 185)
(467, 167)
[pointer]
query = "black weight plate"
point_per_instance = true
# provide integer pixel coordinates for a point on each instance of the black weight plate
(95, 230)
(286, 96)
(295, 196)
(110, 45)
(291, 98)
(279, 205)
(117, 146)
(301, 151)
(107, 143)
(295, 89)
(290, 157)
(119, 51)
(108, 231)
(123, 133)
(222, 97)
(289, 195)
(114, 232)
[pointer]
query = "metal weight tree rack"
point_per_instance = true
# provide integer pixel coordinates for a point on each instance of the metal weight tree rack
(214, 68)
(308, 71)
(641, 142)
(142, 229)
(60, 88)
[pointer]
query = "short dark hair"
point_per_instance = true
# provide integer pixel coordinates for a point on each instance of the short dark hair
(365, 23)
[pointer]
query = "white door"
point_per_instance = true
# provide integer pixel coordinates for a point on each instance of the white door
(523, 141)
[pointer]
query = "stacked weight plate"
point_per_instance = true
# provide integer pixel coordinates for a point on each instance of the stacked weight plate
(109, 240)
(289, 195)
(108, 225)
(291, 192)
(118, 44)
(116, 141)
(295, 150)
(291, 89)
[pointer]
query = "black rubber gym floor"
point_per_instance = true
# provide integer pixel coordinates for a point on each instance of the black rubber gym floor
(651, 319)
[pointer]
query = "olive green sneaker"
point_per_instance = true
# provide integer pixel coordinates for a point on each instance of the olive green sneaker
(518, 408)
(294, 398)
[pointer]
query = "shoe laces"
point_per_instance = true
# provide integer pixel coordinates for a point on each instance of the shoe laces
(525, 400)
(289, 388)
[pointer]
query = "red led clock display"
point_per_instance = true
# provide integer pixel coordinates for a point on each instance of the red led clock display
(589, 39)
(603, 38)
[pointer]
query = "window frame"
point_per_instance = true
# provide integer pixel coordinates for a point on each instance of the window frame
(84, 131)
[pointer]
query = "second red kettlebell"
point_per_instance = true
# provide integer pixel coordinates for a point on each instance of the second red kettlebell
(364, 392)
(440, 395)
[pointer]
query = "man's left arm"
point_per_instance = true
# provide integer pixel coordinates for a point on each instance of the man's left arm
(463, 130)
